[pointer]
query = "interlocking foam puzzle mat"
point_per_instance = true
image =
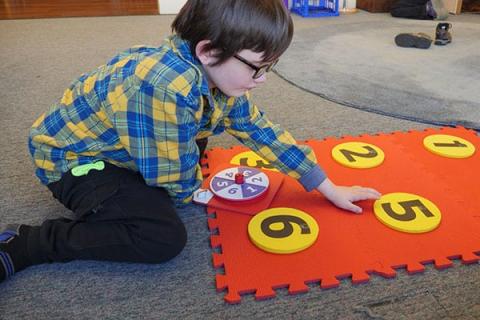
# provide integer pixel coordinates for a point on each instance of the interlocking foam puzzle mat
(349, 245)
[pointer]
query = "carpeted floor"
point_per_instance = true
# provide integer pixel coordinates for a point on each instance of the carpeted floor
(356, 63)
(38, 59)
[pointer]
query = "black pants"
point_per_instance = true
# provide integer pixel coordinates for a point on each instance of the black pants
(117, 218)
(410, 9)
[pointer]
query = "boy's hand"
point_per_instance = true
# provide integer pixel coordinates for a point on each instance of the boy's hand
(343, 197)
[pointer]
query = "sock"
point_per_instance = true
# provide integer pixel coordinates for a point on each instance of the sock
(13, 250)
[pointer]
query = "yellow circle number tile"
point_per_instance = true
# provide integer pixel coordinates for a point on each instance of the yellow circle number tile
(449, 146)
(358, 155)
(252, 160)
(407, 212)
(283, 230)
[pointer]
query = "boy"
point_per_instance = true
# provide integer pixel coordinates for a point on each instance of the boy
(121, 148)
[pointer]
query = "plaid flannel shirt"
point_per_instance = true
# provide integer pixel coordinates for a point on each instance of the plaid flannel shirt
(144, 110)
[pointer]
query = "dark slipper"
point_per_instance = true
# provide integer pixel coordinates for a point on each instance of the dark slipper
(413, 40)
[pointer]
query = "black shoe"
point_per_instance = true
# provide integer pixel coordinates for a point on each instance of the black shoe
(442, 34)
(13, 250)
(413, 40)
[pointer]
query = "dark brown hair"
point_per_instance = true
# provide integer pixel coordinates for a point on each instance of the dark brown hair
(234, 25)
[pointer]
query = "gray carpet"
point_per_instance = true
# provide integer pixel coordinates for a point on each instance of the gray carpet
(357, 63)
(38, 59)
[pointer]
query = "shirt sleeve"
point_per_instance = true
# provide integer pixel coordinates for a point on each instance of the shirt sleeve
(246, 123)
(157, 126)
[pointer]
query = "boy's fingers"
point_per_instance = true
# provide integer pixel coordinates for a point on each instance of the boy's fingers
(356, 209)
(374, 192)
(369, 192)
(353, 208)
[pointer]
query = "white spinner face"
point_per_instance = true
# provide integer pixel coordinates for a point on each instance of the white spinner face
(224, 186)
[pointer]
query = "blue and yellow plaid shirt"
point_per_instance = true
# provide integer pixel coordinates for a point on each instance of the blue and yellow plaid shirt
(144, 110)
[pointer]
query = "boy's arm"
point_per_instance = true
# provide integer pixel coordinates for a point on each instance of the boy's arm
(277, 146)
(246, 123)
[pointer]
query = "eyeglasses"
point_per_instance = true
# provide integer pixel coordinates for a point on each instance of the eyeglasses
(259, 71)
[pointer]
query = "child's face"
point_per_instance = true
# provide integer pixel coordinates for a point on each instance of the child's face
(234, 77)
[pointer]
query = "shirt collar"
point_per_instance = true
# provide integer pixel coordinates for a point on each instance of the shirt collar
(182, 47)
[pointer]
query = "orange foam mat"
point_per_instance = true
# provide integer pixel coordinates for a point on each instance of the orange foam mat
(355, 246)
